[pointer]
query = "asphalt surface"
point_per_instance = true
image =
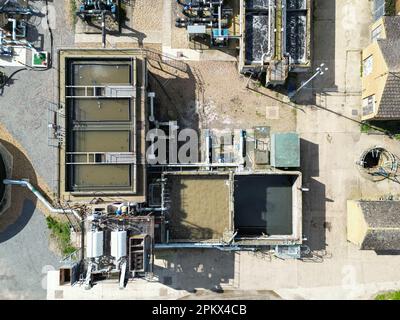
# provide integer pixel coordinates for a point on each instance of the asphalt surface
(24, 112)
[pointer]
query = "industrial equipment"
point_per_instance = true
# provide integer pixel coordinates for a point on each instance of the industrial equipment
(14, 7)
(119, 240)
(13, 27)
(93, 8)
(100, 10)
(206, 17)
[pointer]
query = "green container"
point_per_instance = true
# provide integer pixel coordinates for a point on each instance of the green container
(285, 150)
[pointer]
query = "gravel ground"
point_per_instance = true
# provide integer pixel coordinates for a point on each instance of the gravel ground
(146, 15)
(213, 95)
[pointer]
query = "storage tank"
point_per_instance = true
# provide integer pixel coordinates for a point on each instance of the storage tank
(118, 244)
(94, 244)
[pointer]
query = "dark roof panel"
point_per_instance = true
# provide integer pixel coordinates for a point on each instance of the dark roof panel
(381, 214)
(389, 106)
(383, 220)
(381, 240)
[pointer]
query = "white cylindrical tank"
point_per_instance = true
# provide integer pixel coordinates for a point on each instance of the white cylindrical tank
(118, 244)
(94, 244)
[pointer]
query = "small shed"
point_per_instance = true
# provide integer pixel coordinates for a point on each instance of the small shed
(374, 225)
(285, 150)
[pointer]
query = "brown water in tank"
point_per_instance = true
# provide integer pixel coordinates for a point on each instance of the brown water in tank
(101, 110)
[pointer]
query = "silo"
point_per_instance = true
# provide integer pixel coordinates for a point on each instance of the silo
(118, 244)
(94, 244)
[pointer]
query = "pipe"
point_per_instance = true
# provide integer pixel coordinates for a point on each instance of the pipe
(195, 165)
(219, 246)
(122, 274)
(103, 29)
(269, 28)
(188, 245)
(151, 95)
(24, 183)
(208, 143)
(219, 21)
(14, 27)
(269, 35)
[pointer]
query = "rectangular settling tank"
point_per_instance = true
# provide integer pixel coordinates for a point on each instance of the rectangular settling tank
(267, 205)
(199, 207)
(98, 125)
(259, 37)
(257, 209)
(296, 30)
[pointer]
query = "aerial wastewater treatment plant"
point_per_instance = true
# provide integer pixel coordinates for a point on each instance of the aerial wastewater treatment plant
(124, 209)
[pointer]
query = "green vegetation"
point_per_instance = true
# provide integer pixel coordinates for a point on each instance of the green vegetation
(259, 114)
(390, 128)
(390, 7)
(394, 295)
(61, 232)
(73, 8)
(365, 128)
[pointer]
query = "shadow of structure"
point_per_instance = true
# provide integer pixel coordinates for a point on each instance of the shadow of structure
(191, 269)
(177, 89)
(323, 51)
(389, 127)
(23, 202)
(314, 201)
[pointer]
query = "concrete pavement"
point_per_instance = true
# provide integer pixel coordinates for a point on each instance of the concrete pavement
(331, 144)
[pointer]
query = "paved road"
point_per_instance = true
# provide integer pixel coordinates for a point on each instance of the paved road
(25, 257)
(24, 104)
(24, 246)
(331, 144)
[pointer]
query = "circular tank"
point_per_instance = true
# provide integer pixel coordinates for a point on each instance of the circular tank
(378, 163)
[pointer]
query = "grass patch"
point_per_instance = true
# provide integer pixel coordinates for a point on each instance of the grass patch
(394, 295)
(73, 8)
(390, 128)
(62, 233)
(259, 114)
(390, 7)
(365, 128)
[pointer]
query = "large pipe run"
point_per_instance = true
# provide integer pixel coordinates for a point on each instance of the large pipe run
(24, 183)
(197, 165)
(218, 246)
